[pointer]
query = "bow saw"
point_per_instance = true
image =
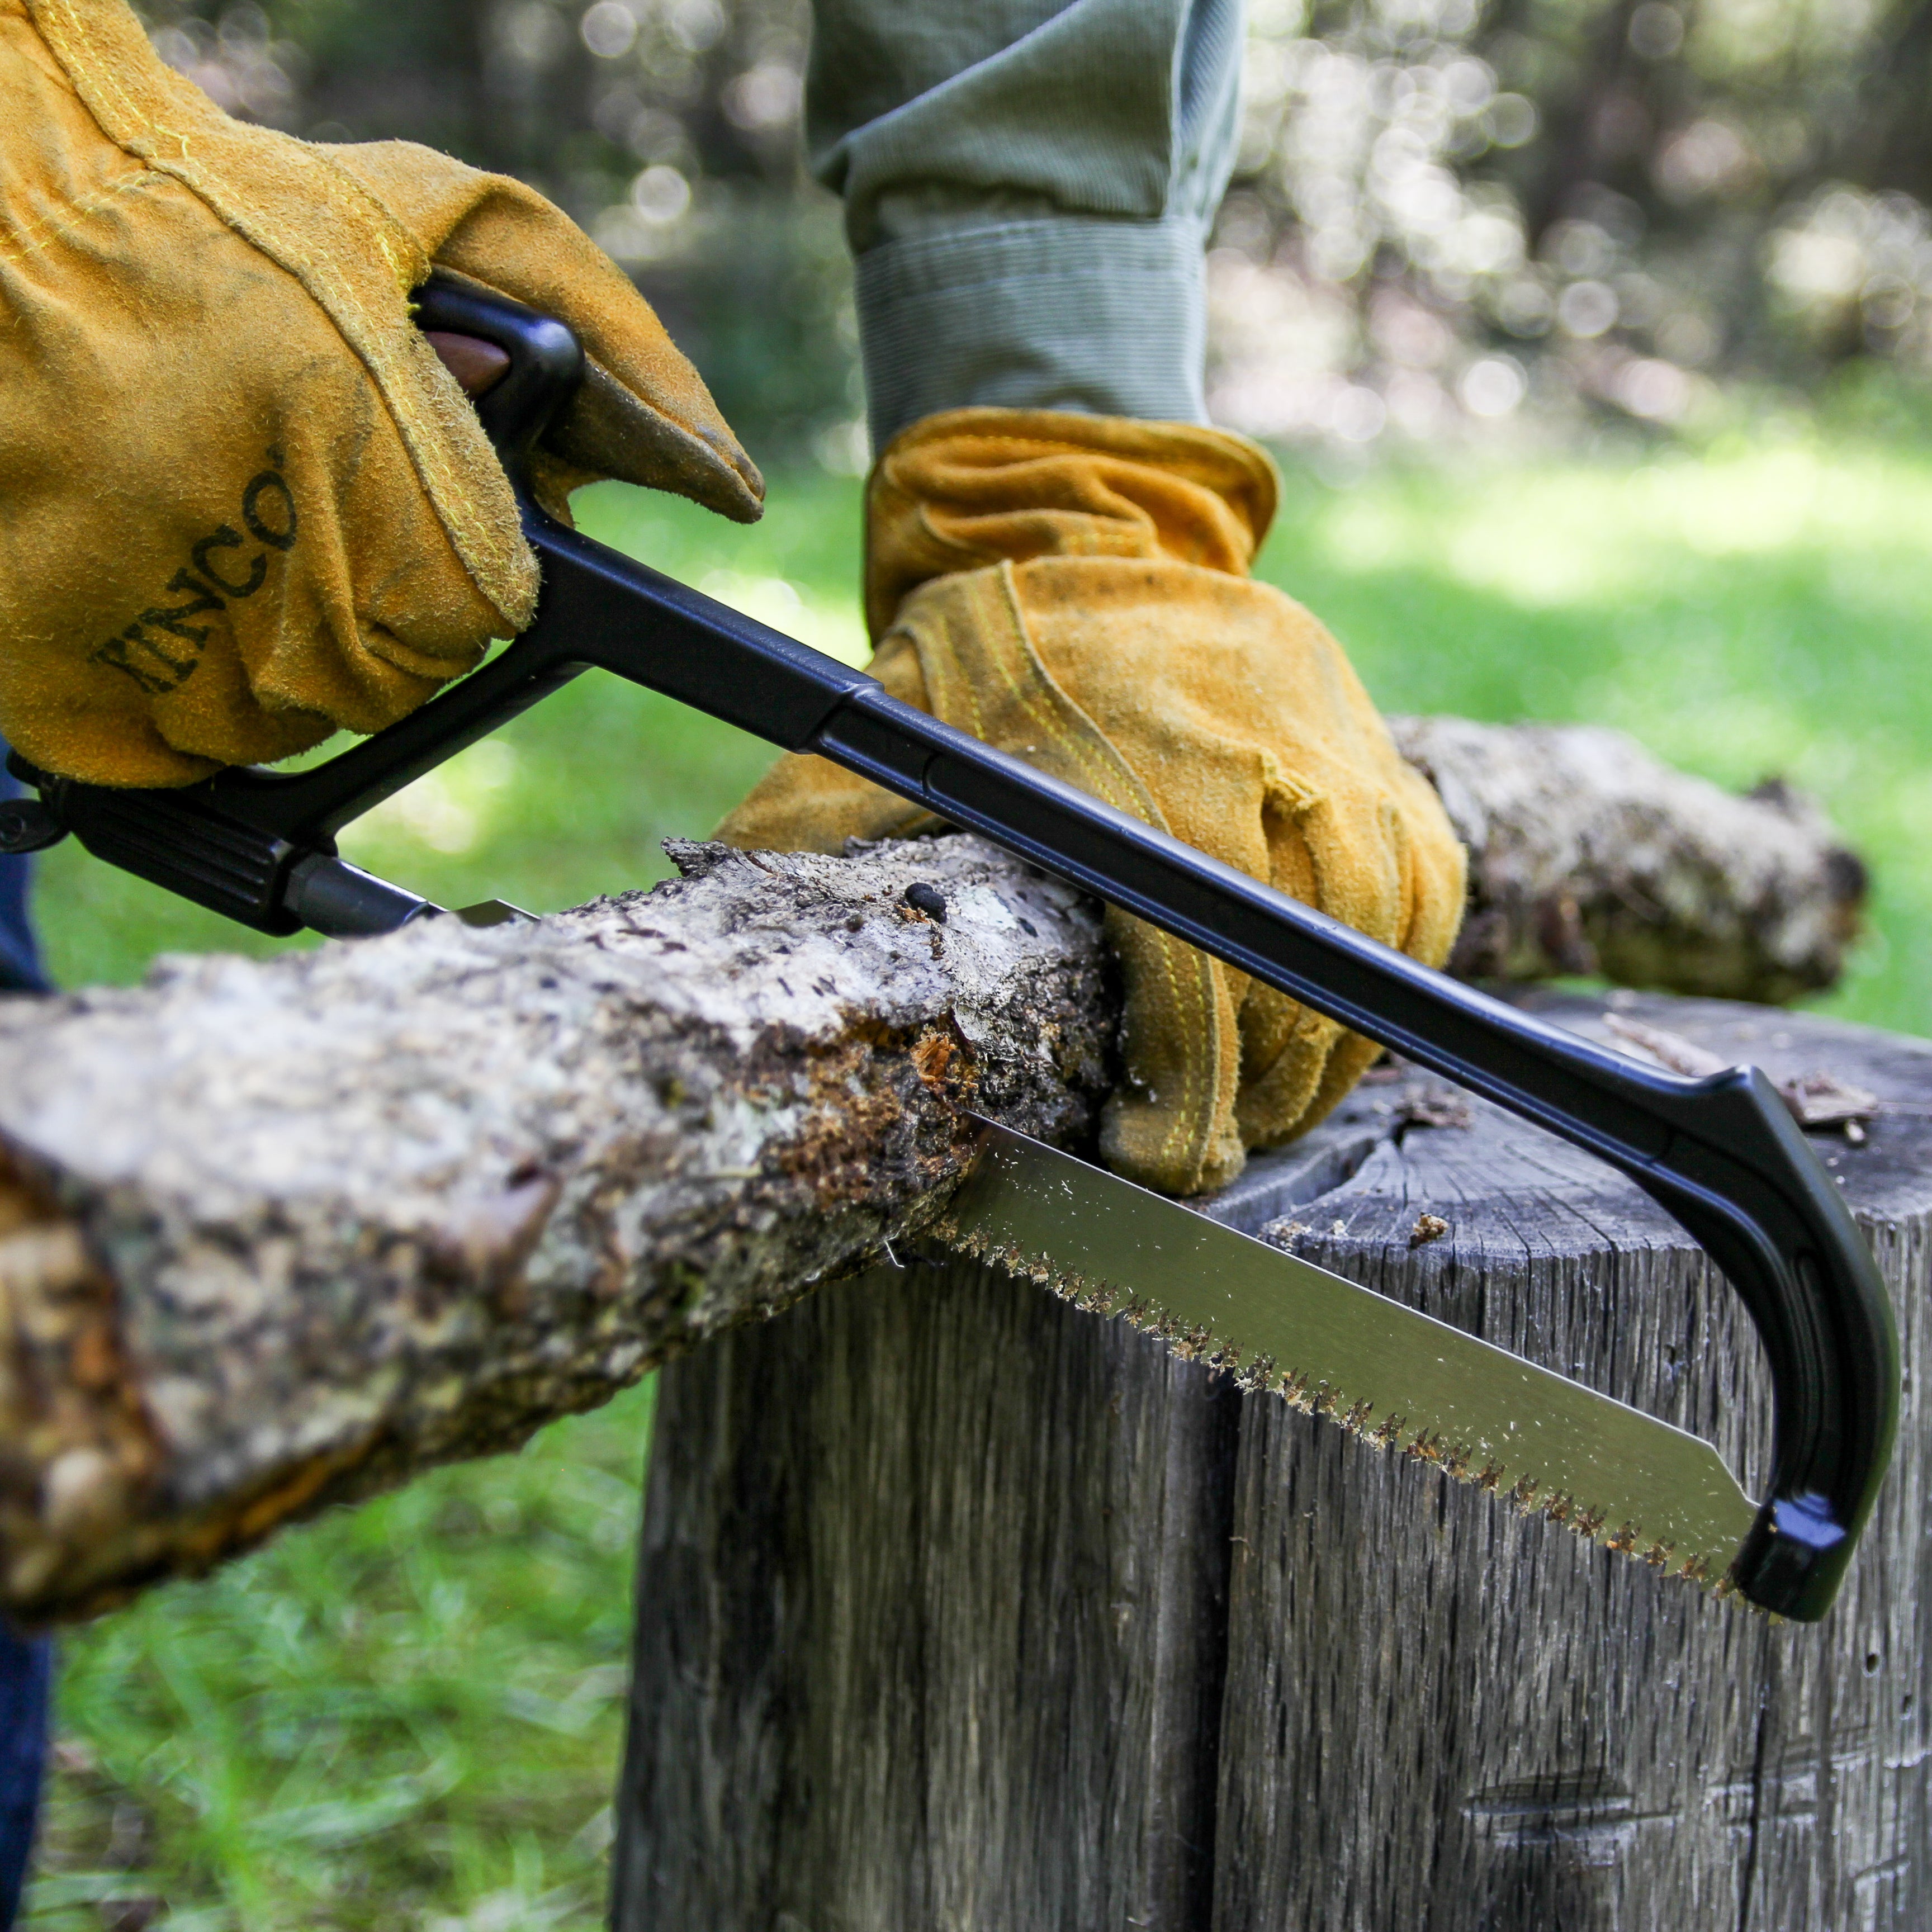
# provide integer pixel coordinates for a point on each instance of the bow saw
(1721, 1154)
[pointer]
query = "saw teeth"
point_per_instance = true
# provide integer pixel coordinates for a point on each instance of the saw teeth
(1527, 1493)
(1259, 1374)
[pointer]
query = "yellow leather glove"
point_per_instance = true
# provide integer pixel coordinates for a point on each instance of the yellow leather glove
(244, 502)
(1074, 589)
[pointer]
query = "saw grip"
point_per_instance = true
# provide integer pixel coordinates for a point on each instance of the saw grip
(1722, 1154)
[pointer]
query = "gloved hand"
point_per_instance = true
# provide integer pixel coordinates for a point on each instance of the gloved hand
(1074, 589)
(244, 502)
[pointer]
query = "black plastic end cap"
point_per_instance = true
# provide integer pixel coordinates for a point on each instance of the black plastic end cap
(1794, 1558)
(26, 825)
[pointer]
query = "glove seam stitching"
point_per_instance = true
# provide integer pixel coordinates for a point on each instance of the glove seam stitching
(473, 541)
(43, 233)
(1193, 1123)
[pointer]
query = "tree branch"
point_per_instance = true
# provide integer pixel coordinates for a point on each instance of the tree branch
(1588, 855)
(275, 1235)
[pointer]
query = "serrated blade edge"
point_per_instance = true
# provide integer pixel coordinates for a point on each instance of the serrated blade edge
(1400, 1379)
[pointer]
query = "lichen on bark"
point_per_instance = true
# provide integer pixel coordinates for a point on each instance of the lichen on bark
(286, 1231)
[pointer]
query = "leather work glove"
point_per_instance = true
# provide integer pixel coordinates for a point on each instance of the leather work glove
(1075, 588)
(245, 502)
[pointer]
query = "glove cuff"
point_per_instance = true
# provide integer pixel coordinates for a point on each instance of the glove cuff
(977, 486)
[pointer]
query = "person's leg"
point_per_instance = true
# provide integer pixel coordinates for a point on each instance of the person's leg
(26, 1664)
(20, 951)
(20, 970)
(1028, 186)
(26, 1673)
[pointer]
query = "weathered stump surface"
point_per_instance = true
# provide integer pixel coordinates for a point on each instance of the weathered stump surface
(960, 1609)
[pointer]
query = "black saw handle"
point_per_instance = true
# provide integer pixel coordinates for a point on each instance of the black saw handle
(1722, 1154)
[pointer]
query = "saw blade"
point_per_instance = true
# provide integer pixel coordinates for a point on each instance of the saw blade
(1400, 1379)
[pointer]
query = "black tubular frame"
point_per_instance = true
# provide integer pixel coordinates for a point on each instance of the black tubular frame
(1722, 1155)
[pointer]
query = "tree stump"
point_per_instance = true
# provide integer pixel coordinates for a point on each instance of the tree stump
(959, 1608)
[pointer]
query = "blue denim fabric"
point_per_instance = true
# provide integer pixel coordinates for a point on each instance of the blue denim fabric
(26, 1665)
(26, 1680)
(20, 954)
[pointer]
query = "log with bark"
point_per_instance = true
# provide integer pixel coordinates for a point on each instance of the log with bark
(1589, 855)
(274, 1234)
(284, 1231)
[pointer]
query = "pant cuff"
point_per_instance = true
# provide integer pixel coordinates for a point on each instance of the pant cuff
(1101, 316)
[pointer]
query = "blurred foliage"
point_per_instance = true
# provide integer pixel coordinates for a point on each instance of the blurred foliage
(1448, 215)
(669, 128)
(1613, 212)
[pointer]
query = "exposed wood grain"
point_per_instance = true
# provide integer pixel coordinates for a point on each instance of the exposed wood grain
(905, 1558)
(877, 1572)
(1549, 1735)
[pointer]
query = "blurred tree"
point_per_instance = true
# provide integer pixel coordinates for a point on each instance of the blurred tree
(1600, 207)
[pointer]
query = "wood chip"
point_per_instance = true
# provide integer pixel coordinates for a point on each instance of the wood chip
(1428, 1227)
(1818, 1099)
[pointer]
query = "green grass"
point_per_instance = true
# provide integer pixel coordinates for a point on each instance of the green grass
(1764, 608)
(408, 1715)
(405, 1715)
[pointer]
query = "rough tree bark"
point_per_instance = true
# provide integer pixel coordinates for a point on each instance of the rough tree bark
(289, 1231)
(1588, 855)
(278, 1233)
